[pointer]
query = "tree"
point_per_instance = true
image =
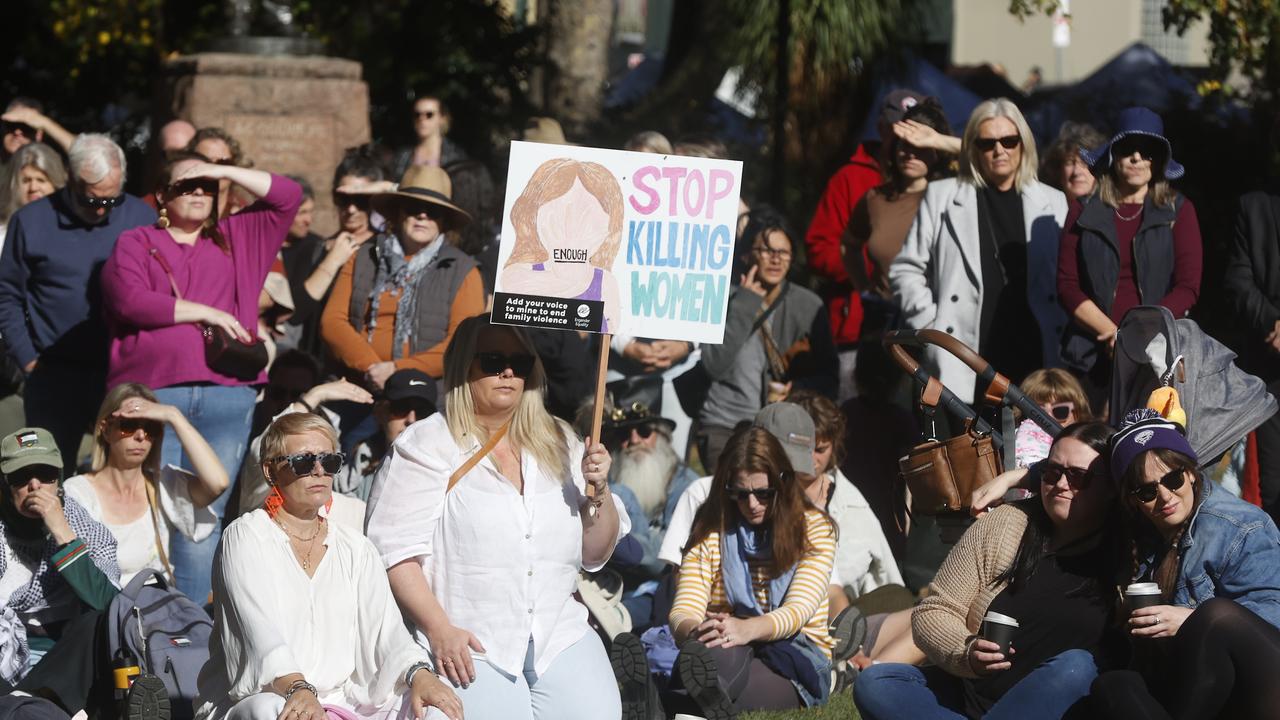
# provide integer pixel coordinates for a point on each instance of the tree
(577, 39)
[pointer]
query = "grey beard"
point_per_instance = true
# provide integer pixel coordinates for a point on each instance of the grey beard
(647, 473)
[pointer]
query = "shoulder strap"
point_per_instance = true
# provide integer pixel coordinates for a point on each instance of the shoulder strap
(471, 461)
(155, 526)
(164, 265)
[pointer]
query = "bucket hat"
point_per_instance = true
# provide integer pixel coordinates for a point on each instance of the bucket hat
(1134, 121)
(423, 184)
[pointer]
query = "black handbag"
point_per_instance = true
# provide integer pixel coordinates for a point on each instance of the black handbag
(224, 353)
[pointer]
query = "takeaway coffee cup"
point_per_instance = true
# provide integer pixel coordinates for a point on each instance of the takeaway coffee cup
(999, 629)
(1140, 595)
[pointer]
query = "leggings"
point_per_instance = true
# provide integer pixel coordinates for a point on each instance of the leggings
(746, 681)
(1222, 663)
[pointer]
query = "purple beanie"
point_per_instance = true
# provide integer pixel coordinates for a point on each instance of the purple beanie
(1144, 430)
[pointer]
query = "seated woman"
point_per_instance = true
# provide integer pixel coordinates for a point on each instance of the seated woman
(57, 575)
(484, 521)
(402, 295)
(139, 501)
(303, 615)
(1047, 563)
(750, 610)
(1210, 649)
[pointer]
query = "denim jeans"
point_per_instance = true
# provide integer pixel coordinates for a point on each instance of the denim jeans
(222, 415)
(64, 400)
(579, 685)
(894, 690)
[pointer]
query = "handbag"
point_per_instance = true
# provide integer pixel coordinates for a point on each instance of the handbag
(942, 474)
(224, 353)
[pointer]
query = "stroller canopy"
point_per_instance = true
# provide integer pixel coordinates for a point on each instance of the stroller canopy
(1223, 402)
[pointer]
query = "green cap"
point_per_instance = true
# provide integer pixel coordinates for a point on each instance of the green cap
(28, 446)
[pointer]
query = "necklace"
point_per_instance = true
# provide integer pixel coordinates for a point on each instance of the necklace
(306, 561)
(1131, 218)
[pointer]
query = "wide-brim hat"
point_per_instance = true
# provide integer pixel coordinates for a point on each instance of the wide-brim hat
(634, 402)
(1134, 121)
(423, 184)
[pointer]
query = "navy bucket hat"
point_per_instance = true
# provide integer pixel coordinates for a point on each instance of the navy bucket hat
(1135, 121)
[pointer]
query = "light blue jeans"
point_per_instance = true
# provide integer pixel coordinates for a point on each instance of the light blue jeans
(222, 415)
(579, 685)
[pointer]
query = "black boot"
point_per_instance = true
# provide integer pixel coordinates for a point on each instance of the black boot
(640, 699)
(697, 669)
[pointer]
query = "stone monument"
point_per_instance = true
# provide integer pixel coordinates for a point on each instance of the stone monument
(292, 110)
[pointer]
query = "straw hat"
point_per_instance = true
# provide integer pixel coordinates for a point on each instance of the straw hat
(427, 185)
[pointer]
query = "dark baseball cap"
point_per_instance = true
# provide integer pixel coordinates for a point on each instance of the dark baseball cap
(28, 446)
(409, 383)
(896, 104)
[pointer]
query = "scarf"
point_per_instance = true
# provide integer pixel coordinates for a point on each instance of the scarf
(396, 274)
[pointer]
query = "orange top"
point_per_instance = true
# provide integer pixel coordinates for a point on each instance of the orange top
(354, 349)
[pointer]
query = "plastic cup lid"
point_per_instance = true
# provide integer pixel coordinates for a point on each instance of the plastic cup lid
(996, 617)
(1146, 588)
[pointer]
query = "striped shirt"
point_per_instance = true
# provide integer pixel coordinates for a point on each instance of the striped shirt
(700, 589)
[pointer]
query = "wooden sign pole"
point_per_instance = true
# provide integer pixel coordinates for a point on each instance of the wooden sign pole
(597, 410)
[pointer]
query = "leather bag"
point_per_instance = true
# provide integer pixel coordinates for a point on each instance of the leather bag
(942, 474)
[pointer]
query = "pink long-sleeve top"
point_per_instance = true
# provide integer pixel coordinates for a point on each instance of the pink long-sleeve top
(146, 346)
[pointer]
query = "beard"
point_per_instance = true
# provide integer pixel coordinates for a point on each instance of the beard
(647, 472)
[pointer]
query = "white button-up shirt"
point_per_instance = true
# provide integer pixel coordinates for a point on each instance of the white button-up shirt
(503, 564)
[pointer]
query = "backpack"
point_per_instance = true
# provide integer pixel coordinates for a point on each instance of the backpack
(165, 631)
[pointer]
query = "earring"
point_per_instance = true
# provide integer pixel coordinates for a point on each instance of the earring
(162, 222)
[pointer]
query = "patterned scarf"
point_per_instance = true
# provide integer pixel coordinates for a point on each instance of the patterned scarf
(98, 539)
(396, 274)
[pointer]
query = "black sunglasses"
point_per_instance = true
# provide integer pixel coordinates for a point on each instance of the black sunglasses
(304, 464)
(988, 144)
(190, 185)
(342, 200)
(495, 363)
(622, 435)
(762, 494)
(99, 203)
(1148, 148)
(1172, 481)
(419, 407)
(1061, 411)
(1077, 478)
(46, 474)
(7, 127)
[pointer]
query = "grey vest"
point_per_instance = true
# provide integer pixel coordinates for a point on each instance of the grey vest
(437, 287)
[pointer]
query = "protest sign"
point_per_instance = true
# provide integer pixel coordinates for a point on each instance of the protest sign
(608, 241)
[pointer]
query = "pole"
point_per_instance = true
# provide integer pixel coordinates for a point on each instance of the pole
(597, 410)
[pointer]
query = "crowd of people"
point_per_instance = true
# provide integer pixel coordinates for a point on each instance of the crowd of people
(391, 507)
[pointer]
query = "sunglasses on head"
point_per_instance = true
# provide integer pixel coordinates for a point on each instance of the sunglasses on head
(1077, 478)
(129, 426)
(1008, 142)
(1060, 411)
(96, 203)
(46, 474)
(342, 200)
(189, 186)
(1172, 481)
(740, 495)
(495, 363)
(304, 464)
(402, 407)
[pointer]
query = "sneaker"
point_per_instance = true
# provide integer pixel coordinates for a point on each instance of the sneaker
(697, 670)
(639, 695)
(843, 675)
(849, 631)
(147, 699)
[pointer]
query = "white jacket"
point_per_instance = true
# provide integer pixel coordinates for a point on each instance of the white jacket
(937, 278)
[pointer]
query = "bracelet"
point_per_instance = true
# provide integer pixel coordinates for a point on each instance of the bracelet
(413, 670)
(301, 685)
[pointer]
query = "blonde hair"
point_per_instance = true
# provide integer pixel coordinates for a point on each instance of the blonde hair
(111, 403)
(532, 427)
(1027, 169)
(1158, 190)
(1054, 385)
(551, 180)
(286, 426)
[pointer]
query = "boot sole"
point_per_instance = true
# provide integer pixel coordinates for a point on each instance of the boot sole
(631, 668)
(697, 670)
(147, 700)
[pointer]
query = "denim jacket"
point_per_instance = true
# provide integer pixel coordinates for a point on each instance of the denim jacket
(1231, 550)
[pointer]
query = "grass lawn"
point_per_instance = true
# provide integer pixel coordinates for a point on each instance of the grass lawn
(840, 708)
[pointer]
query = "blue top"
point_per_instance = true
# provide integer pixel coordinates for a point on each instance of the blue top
(50, 289)
(1231, 550)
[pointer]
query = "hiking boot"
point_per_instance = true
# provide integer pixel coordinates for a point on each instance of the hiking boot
(697, 672)
(849, 631)
(147, 699)
(639, 695)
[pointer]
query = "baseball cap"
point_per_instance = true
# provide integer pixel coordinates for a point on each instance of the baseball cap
(896, 104)
(28, 446)
(793, 427)
(410, 383)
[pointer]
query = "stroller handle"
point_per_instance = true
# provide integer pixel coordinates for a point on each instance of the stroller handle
(1006, 393)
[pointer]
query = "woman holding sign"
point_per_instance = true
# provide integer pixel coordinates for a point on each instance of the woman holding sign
(484, 522)
(1042, 572)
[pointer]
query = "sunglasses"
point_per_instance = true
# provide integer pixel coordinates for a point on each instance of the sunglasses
(740, 495)
(1147, 149)
(425, 115)
(402, 407)
(189, 186)
(47, 475)
(343, 200)
(494, 363)
(1008, 142)
(99, 203)
(304, 464)
(1077, 478)
(24, 129)
(624, 434)
(1172, 481)
(125, 427)
(1060, 411)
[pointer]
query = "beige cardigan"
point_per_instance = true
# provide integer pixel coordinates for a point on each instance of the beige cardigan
(944, 623)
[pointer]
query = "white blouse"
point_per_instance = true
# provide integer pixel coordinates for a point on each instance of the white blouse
(503, 564)
(341, 628)
(136, 540)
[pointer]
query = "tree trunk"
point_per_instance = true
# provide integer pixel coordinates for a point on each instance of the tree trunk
(578, 34)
